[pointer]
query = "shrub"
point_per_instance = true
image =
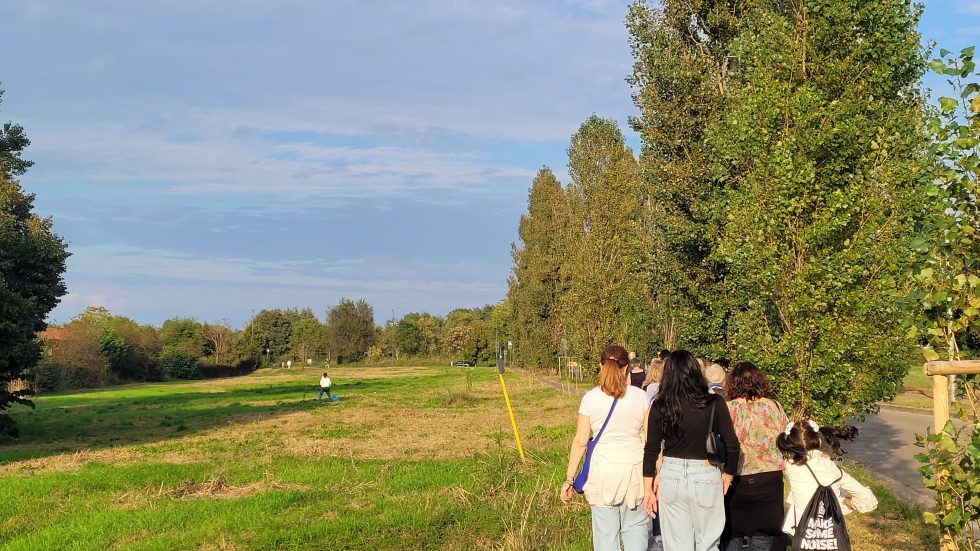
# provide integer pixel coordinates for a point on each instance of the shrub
(178, 364)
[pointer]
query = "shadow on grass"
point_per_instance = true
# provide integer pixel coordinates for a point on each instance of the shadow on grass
(143, 415)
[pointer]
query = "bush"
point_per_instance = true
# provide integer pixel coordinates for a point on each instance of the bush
(178, 364)
(45, 376)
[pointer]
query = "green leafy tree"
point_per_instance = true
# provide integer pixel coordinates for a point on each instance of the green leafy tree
(682, 63)
(408, 336)
(271, 330)
(32, 261)
(818, 159)
(605, 285)
(782, 160)
(183, 334)
(308, 335)
(350, 330)
(13, 141)
(536, 282)
(946, 290)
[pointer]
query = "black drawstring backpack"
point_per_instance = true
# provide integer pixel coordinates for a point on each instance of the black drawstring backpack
(821, 526)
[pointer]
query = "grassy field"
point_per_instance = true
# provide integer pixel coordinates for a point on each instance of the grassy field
(412, 458)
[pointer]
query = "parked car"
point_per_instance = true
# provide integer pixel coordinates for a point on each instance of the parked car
(462, 363)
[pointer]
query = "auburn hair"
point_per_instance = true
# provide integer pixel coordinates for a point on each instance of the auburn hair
(748, 382)
(612, 380)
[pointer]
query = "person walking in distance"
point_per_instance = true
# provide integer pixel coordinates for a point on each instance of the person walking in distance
(324, 386)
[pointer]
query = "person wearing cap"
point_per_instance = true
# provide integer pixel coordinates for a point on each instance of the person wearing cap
(714, 374)
(614, 489)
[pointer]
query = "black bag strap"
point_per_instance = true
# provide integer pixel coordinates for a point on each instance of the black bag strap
(595, 439)
(711, 420)
(839, 478)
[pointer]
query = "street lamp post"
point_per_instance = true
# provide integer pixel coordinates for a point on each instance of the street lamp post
(267, 359)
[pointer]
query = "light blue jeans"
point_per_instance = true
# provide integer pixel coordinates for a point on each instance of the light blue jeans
(691, 506)
(609, 524)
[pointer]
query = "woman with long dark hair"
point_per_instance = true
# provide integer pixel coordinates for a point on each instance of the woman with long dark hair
(754, 504)
(613, 410)
(688, 491)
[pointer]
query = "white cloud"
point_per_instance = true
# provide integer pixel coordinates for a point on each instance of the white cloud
(972, 8)
(111, 262)
(216, 163)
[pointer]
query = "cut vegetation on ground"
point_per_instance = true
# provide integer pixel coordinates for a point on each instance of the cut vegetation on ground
(412, 458)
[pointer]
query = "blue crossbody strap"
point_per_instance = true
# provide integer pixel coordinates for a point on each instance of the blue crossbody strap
(606, 422)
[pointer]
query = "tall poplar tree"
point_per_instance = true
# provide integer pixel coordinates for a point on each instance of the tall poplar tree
(782, 149)
(605, 300)
(535, 283)
(679, 79)
(819, 154)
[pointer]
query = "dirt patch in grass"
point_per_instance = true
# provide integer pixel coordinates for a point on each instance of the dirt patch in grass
(69, 461)
(210, 488)
(218, 488)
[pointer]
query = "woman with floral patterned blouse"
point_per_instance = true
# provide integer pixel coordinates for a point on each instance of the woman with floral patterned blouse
(754, 504)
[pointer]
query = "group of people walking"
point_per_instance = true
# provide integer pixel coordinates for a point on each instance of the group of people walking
(705, 456)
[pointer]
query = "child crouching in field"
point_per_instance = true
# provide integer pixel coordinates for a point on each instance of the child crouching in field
(807, 463)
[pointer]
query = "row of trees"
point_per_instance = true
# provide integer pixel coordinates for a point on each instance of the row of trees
(97, 348)
(770, 214)
(464, 334)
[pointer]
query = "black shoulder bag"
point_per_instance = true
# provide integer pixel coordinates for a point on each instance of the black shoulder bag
(715, 444)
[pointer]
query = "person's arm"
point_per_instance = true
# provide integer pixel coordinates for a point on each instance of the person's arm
(724, 426)
(579, 442)
(643, 429)
(651, 452)
(858, 496)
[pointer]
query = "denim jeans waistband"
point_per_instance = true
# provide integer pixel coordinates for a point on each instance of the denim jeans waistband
(687, 465)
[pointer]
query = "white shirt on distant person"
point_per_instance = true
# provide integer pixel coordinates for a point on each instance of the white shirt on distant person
(324, 382)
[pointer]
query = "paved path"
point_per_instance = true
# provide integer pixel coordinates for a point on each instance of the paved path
(886, 446)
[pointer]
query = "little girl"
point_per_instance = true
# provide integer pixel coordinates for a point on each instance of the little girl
(801, 445)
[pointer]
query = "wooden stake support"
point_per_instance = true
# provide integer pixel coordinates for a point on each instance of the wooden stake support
(940, 372)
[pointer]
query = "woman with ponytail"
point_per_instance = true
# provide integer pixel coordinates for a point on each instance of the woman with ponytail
(614, 412)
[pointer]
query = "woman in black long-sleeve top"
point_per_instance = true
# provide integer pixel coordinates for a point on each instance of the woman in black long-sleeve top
(688, 491)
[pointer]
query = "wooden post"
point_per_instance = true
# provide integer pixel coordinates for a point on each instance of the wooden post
(940, 402)
(940, 371)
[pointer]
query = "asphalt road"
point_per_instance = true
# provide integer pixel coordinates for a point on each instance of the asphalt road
(886, 446)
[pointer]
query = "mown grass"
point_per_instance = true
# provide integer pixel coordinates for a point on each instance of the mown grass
(412, 458)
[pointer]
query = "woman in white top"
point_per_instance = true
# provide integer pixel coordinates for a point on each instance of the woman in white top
(615, 486)
(801, 445)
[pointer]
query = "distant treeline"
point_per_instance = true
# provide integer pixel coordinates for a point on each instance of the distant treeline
(97, 348)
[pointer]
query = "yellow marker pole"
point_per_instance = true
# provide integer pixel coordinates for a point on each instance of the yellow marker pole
(513, 423)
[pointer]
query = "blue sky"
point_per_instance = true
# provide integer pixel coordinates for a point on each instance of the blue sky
(209, 158)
